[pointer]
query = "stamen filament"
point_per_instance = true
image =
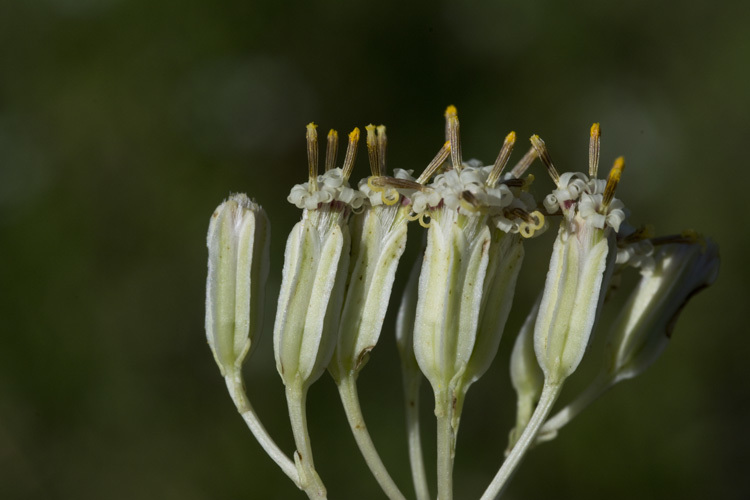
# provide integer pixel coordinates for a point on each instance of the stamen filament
(612, 181)
(351, 153)
(312, 156)
(524, 163)
(502, 159)
(385, 181)
(523, 214)
(372, 150)
(332, 149)
(594, 143)
(541, 150)
(435, 164)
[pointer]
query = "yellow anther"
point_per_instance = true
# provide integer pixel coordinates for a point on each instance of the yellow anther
(332, 149)
(541, 150)
(351, 153)
(502, 159)
(413, 216)
(312, 155)
(614, 178)
(594, 143)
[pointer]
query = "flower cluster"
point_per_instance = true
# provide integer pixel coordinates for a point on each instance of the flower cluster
(341, 261)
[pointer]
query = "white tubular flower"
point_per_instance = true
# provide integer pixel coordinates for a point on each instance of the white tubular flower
(643, 329)
(238, 238)
(469, 271)
(466, 286)
(316, 261)
(378, 241)
(582, 260)
(315, 264)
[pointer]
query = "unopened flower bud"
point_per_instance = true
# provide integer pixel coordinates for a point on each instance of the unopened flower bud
(238, 238)
(644, 327)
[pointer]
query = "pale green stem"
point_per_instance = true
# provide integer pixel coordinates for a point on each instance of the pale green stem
(350, 399)
(550, 393)
(524, 410)
(416, 457)
(445, 443)
(572, 410)
(296, 398)
(236, 388)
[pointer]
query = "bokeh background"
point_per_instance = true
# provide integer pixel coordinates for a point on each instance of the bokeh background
(123, 123)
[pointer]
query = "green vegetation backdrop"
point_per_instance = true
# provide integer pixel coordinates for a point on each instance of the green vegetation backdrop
(123, 123)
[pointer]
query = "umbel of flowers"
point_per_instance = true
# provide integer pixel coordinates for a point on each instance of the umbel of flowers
(341, 261)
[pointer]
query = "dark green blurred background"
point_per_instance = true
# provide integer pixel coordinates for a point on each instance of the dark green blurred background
(123, 123)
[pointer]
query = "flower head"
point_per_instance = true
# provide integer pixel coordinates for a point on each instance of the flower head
(582, 260)
(315, 264)
(477, 216)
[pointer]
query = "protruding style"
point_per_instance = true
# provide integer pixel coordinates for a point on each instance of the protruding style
(541, 151)
(502, 159)
(373, 150)
(454, 134)
(351, 154)
(332, 149)
(312, 155)
(594, 143)
(612, 181)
